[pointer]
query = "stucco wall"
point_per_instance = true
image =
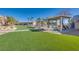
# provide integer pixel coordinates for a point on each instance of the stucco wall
(77, 25)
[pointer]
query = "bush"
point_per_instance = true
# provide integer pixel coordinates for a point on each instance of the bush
(36, 29)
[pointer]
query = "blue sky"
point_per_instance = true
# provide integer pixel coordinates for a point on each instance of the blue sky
(21, 14)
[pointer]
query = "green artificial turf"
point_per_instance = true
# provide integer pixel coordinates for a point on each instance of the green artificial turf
(38, 41)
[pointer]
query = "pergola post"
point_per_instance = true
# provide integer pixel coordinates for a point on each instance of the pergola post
(69, 23)
(61, 24)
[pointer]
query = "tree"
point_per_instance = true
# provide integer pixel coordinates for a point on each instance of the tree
(48, 21)
(30, 20)
(38, 20)
(11, 20)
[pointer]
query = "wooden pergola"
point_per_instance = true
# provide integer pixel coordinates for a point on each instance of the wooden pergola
(58, 19)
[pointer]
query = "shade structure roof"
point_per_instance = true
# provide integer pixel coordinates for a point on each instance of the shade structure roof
(58, 17)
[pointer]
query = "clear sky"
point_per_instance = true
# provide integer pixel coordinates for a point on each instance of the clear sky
(21, 14)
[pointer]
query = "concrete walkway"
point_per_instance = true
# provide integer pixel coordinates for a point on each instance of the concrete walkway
(73, 32)
(4, 32)
(21, 30)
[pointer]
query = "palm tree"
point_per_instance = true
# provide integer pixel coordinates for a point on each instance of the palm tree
(30, 20)
(38, 20)
(48, 22)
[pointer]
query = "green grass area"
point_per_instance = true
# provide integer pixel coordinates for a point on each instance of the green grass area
(38, 41)
(21, 27)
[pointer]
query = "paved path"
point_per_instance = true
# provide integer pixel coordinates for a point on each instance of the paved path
(4, 32)
(21, 30)
(74, 32)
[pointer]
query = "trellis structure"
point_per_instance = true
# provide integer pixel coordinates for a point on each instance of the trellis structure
(57, 23)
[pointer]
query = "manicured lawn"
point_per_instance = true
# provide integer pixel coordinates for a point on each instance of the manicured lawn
(38, 41)
(21, 27)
